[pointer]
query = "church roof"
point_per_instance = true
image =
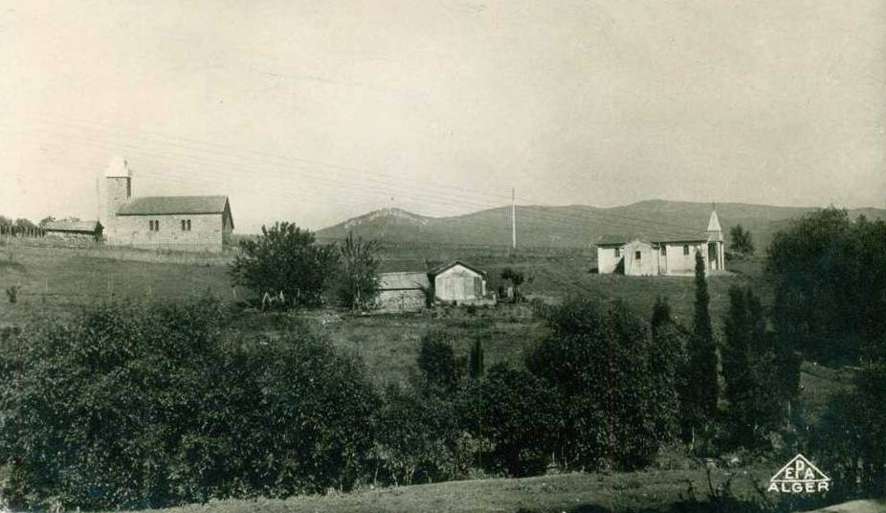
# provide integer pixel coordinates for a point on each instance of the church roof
(168, 205)
(654, 238)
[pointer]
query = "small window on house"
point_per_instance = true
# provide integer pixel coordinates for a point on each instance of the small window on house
(183, 225)
(637, 255)
(150, 225)
(686, 249)
(664, 251)
(186, 225)
(154, 225)
(189, 225)
(617, 252)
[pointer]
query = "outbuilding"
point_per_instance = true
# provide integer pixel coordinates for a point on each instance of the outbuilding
(459, 283)
(74, 231)
(402, 292)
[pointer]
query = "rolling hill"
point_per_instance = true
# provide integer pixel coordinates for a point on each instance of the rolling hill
(571, 226)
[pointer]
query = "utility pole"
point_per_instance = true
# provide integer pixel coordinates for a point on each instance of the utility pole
(513, 219)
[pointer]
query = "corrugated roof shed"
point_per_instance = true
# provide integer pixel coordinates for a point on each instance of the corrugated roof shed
(403, 281)
(167, 205)
(72, 226)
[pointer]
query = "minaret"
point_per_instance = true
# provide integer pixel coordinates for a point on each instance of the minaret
(116, 191)
(714, 231)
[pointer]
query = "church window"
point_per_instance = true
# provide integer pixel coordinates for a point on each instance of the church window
(617, 252)
(186, 225)
(637, 255)
(686, 249)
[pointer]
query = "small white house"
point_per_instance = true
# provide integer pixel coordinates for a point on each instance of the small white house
(459, 283)
(662, 254)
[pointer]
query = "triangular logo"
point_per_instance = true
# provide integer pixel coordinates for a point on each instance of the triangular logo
(798, 476)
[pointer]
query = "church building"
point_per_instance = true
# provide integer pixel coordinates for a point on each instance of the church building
(179, 223)
(666, 253)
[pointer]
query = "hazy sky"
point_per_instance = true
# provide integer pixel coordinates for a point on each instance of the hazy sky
(318, 111)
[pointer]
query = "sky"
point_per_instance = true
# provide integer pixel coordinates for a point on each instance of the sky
(314, 112)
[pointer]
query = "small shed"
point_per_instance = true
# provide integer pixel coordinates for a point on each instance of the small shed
(460, 283)
(90, 231)
(402, 292)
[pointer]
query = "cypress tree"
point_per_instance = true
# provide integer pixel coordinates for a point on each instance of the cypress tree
(476, 366)
(702, 387)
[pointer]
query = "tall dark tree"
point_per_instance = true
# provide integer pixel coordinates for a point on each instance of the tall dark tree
(741, 240)
(358, 280)
(285, 259)
(702, 386)
(669, 366)
(830, 282)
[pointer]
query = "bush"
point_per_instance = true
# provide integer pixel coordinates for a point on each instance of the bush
(132, 407)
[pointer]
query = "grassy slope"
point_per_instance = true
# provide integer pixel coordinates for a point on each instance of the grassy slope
(649, 491)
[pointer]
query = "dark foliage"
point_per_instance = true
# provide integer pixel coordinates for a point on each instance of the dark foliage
(516, 278)
(439, 368)
(850, 438)
(600, 362)
(757, 388)
(148, 406)
(519, 413)
(285, 258)
(830, 282)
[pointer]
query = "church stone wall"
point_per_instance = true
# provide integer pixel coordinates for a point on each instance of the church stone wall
(206, 233)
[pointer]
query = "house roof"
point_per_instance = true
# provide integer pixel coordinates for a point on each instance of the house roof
(73, 226)
(656, 238)
(445, 267)
(165, 205)
(403, 281)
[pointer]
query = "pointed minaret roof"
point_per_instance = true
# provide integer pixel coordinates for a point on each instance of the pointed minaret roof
(118, 168)
(714, 223)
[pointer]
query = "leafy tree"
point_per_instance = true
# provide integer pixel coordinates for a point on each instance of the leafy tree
(285, 259)
(830, 281)
(358, 284)
(518, 412)
(516, 278)
(741, 240)
(476, 365)
(438, 365)
(702, 388)
(599, 360)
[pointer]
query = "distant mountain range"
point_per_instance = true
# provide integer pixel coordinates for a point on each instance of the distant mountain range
(570, 226)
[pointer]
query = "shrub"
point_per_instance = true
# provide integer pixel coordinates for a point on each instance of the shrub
(144, 406)
(12, 294)
(438, 365)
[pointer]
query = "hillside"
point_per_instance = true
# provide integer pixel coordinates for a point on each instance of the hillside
(569, 226)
